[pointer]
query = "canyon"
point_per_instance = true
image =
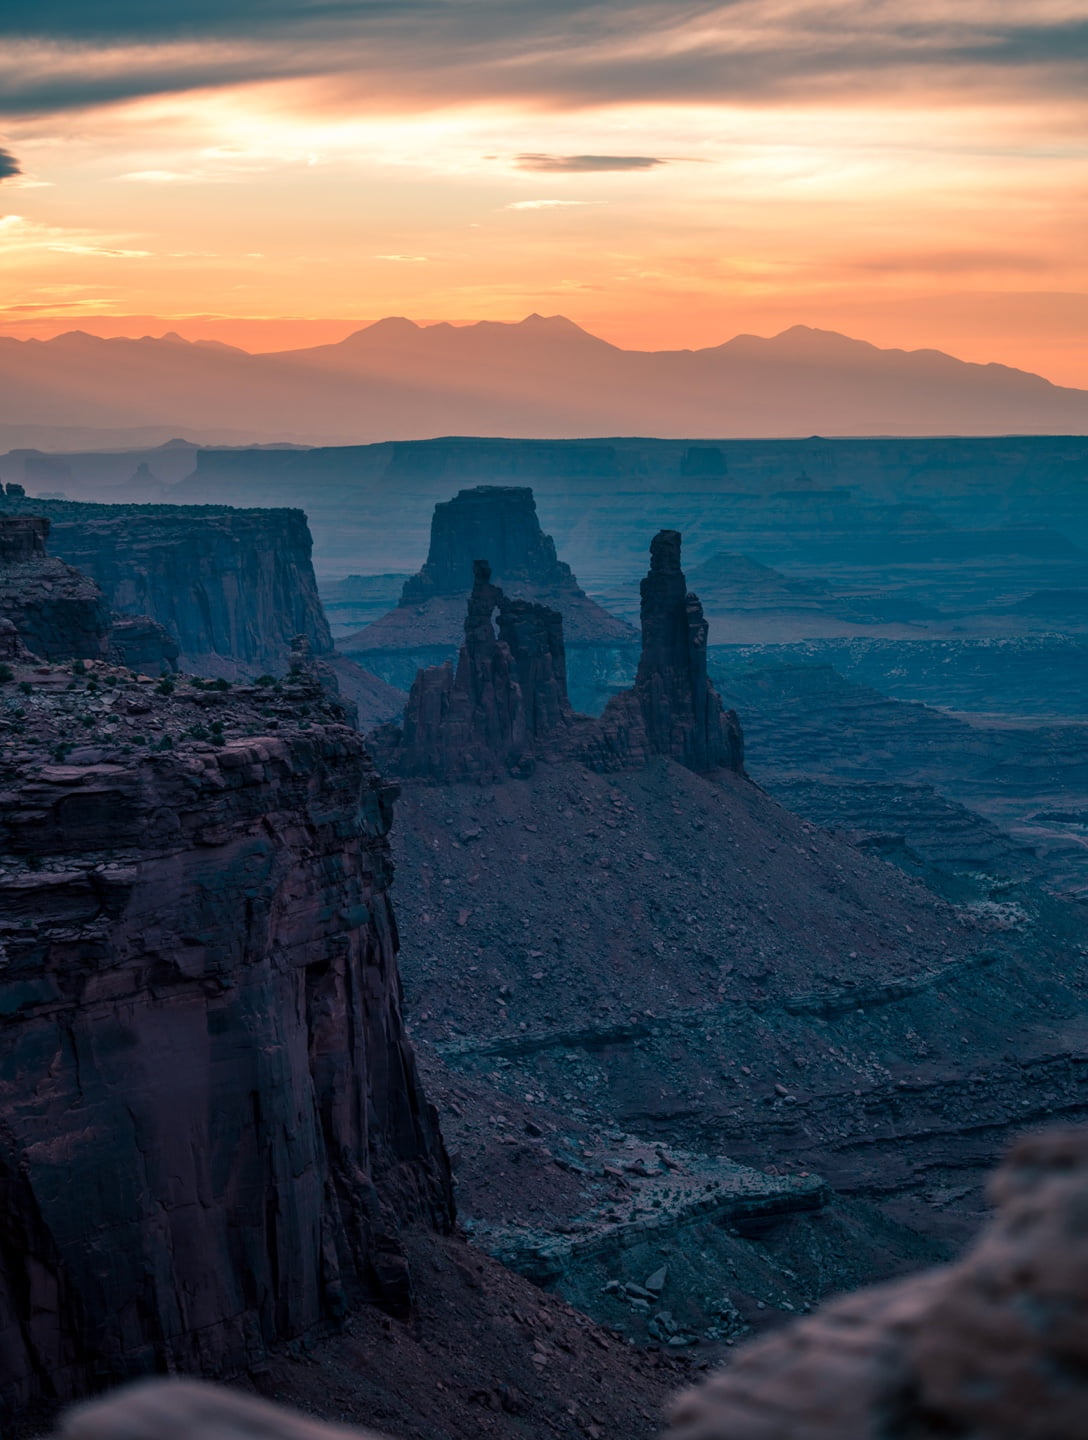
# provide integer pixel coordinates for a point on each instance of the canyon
(699, 1060)
(991, 1346)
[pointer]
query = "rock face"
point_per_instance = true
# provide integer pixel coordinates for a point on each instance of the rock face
(232, 587)
(672, 709)
(57, 612)
(210, 1119)
(506, 705)
(499, 522)
(995, 1347)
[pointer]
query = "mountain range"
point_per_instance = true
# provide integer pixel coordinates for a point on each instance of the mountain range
(542, 377)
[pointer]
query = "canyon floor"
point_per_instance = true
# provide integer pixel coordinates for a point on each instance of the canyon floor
(670, 1024)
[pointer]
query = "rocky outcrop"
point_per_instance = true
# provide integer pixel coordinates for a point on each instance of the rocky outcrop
(673, 709)
(232, 587)
(500, 522)
(506, 705)
(210, 1120)
(995, 1347)
(57, 612)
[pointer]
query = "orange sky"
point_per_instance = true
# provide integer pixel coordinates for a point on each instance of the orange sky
(666, 175)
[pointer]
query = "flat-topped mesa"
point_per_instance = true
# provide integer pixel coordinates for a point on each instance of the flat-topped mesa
(232, 587)
(672, 708)
(425, 627)
(499, 521)
(22, 537)
(502, 705)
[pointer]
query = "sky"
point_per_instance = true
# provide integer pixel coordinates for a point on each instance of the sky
(280, 172)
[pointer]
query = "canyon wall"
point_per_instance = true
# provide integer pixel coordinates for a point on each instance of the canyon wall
(210, 1120)
(233, 587)
(57, 612)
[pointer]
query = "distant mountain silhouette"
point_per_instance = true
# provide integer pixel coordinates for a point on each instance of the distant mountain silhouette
(543, 377)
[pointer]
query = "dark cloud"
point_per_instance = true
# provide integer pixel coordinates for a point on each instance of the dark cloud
(9, 166)
(550, 52)
(586, 164)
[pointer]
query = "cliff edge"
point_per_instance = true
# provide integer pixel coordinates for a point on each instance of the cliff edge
(211, 1125)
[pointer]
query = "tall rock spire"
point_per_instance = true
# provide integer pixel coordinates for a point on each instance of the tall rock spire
(681, 711)
(672, 708)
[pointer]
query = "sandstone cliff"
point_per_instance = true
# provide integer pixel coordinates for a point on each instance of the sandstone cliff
(58, 613)
(233, 587)
(993, 1347)
(501, 523)
(210, 1120)
(506, 705)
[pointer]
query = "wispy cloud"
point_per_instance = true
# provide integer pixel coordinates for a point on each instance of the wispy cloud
(20, 234)
(550, 204)
(9, 166)
(405, 259)
(586, 164)
(566, 52)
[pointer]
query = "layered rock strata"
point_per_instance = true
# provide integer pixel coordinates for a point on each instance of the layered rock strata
(232, 587)
(57, 612)
(210, 1120)
(506, 705)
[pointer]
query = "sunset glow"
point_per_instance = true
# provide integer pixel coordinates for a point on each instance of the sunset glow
(665, 175)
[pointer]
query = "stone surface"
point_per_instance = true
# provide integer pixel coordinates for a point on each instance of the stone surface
(189, 1410)
(57, 612)
(506, 707)
(994, 1347)
(232, 587)
(498, 522)
(210, 1121)
(672, 709)
(502, 706)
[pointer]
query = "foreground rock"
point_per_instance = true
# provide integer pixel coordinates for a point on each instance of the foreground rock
(211, 1127)
(994, 1347)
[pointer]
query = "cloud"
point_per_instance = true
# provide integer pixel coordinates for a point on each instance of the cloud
(586, 164)
(404, 259)
(9, 166)
(549, 204)
(68, 54)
